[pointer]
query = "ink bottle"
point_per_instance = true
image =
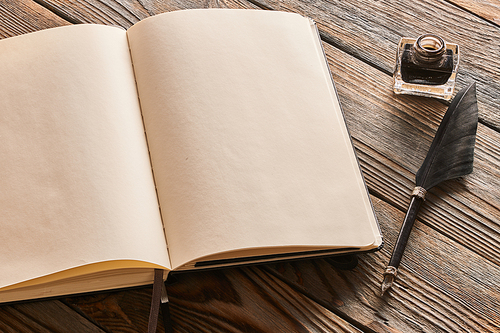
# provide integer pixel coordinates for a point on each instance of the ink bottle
(426, 66)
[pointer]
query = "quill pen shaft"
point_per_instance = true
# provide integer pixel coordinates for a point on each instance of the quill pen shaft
(399, 248)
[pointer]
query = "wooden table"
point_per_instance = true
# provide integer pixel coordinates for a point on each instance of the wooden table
(450, 276)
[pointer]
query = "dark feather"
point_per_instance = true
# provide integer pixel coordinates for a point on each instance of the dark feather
(451, 153)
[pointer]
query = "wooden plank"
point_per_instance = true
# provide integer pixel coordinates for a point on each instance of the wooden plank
(23, 16)
(44, 316)
(118, 311)
(487, 9)
(122, 13)
(232, 300)
(126, 13)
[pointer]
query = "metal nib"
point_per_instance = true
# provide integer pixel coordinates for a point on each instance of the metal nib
(387, 284)
(389, 276)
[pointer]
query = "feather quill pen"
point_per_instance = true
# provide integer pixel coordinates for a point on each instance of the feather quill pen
(450, 155)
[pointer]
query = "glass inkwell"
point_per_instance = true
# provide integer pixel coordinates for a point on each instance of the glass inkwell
(426, 66)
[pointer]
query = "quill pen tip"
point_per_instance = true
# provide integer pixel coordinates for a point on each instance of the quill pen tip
(386, 284)
(389, 277)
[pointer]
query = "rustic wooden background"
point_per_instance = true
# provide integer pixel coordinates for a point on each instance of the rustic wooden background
(450, 276)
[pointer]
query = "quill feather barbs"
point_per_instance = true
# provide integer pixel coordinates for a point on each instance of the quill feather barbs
(451, 153)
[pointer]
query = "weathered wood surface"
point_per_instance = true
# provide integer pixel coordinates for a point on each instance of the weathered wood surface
(450, 275)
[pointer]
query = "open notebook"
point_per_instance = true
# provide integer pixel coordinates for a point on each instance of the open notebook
(196, 139)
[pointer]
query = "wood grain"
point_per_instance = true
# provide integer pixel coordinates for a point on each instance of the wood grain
(126, 13)
(121, 13)
(44, 316)
(117, 311)
(233, 300)
(24, 16)
(487, 9)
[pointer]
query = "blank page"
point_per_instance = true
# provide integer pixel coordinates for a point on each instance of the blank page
(249, 146)
(76, 182)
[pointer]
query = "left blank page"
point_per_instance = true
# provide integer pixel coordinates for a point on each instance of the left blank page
(76, 182)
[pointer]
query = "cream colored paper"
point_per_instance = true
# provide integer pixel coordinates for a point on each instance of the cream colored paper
(75, 178)
(249, 147)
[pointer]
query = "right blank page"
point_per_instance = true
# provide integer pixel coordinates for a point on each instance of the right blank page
(249, 146)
